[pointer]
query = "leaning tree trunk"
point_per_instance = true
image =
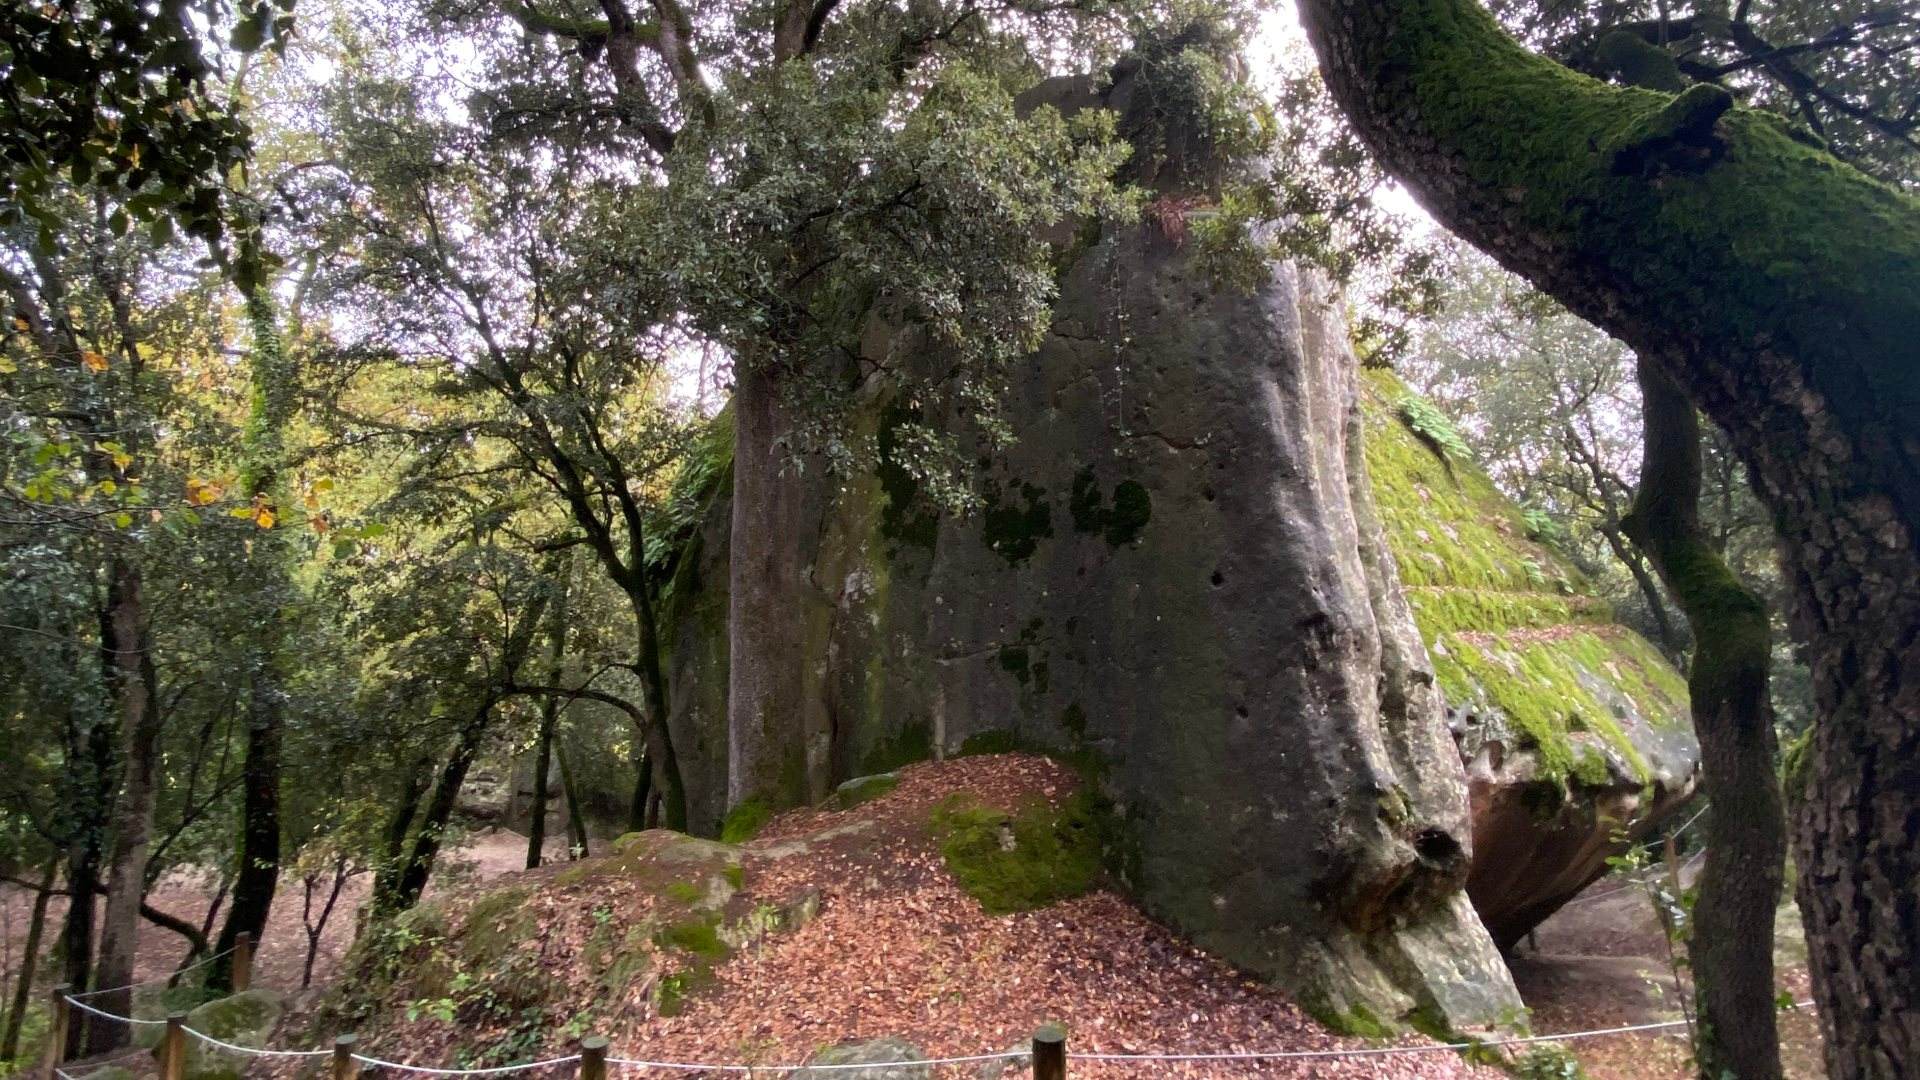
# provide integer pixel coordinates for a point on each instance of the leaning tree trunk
(1781, 289)
(264, 458)
(126, 642)
(1732, 941)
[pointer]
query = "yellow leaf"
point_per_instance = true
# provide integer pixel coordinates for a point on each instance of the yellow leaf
(201, 492)
(108, 487)
(241, 512)
(263, 517)
(8, 367)
(319, 523)
(122, 459)
(93, 360)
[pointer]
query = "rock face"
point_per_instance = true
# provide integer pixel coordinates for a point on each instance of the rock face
(1178, 579)
(1574, 729)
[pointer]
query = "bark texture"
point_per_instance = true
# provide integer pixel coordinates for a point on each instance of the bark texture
(1781, 289)
(123, 629)
(1732, 941)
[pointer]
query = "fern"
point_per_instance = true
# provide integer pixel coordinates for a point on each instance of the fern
(1433, 427)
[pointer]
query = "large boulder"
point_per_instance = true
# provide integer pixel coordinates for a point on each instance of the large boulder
(1176, 579)
(1574, 729)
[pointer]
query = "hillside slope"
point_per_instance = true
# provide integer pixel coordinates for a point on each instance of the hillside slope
(831, 926)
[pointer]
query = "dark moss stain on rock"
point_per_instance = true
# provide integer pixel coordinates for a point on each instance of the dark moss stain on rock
(913, 742)
(1073, 720)
(1014, 527)
(1122, 522)
(1014, 661)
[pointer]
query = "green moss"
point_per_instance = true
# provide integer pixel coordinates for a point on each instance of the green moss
(700, 936)
(1014, 527)
(1073, 720)
(496, 924)
(861, 790)
(745, 821)
(910, 743)
(1508, 619)
(735, 875)
(1022, 861)
(989, 742)
(684, 892)
(673, 991)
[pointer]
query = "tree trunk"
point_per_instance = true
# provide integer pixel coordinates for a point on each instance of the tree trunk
(576, 822)
(1732, 940)
(393, 848)
(769, 759)
(264, 452)
(412, 879)
(658, 737)
(1670, 640)
(1781, 289)
(132, 824)
(29, 962)
(549, 718)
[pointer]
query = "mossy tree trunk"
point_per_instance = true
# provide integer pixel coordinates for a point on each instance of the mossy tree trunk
(1781, 290)
(29, 964)
(1732, 941)
(270, 570)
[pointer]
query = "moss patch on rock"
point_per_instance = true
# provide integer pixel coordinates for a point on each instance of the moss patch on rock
(1510, 623)
(861, 790)
(1022, 861)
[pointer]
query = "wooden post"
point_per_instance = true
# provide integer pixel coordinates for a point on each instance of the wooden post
(593, 1058)
(242, 962)
(60, 1017)
(173, 1048)
(343, 1063)
(1050, 1053)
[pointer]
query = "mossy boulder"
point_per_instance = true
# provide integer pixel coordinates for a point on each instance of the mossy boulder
(245, 1019)
(879, 1053)
(1574, 729)
(861, 790)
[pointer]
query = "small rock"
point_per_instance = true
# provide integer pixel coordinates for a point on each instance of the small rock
(872, 1052)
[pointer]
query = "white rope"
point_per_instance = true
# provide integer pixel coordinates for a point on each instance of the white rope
(1374, 1051)
(202, 962)
(688, 1066)
(252, 1050)
(105, 1015)
(494, 1071)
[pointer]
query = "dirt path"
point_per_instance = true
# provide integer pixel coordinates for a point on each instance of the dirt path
(1602, 961)
(281, 956)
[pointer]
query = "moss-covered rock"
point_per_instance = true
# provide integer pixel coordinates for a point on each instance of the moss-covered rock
(1573, 727)
(861, 790)
(245, 1019)
(1017, 862)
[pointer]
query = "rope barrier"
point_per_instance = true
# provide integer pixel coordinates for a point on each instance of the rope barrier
(965, 1059)
(105, 1015)
(202, 962)
(1374, 1051)
(254, 1050)
(494, 1071)
(688, 1066)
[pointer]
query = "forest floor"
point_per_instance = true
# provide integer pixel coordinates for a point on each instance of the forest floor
(1127, 984)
